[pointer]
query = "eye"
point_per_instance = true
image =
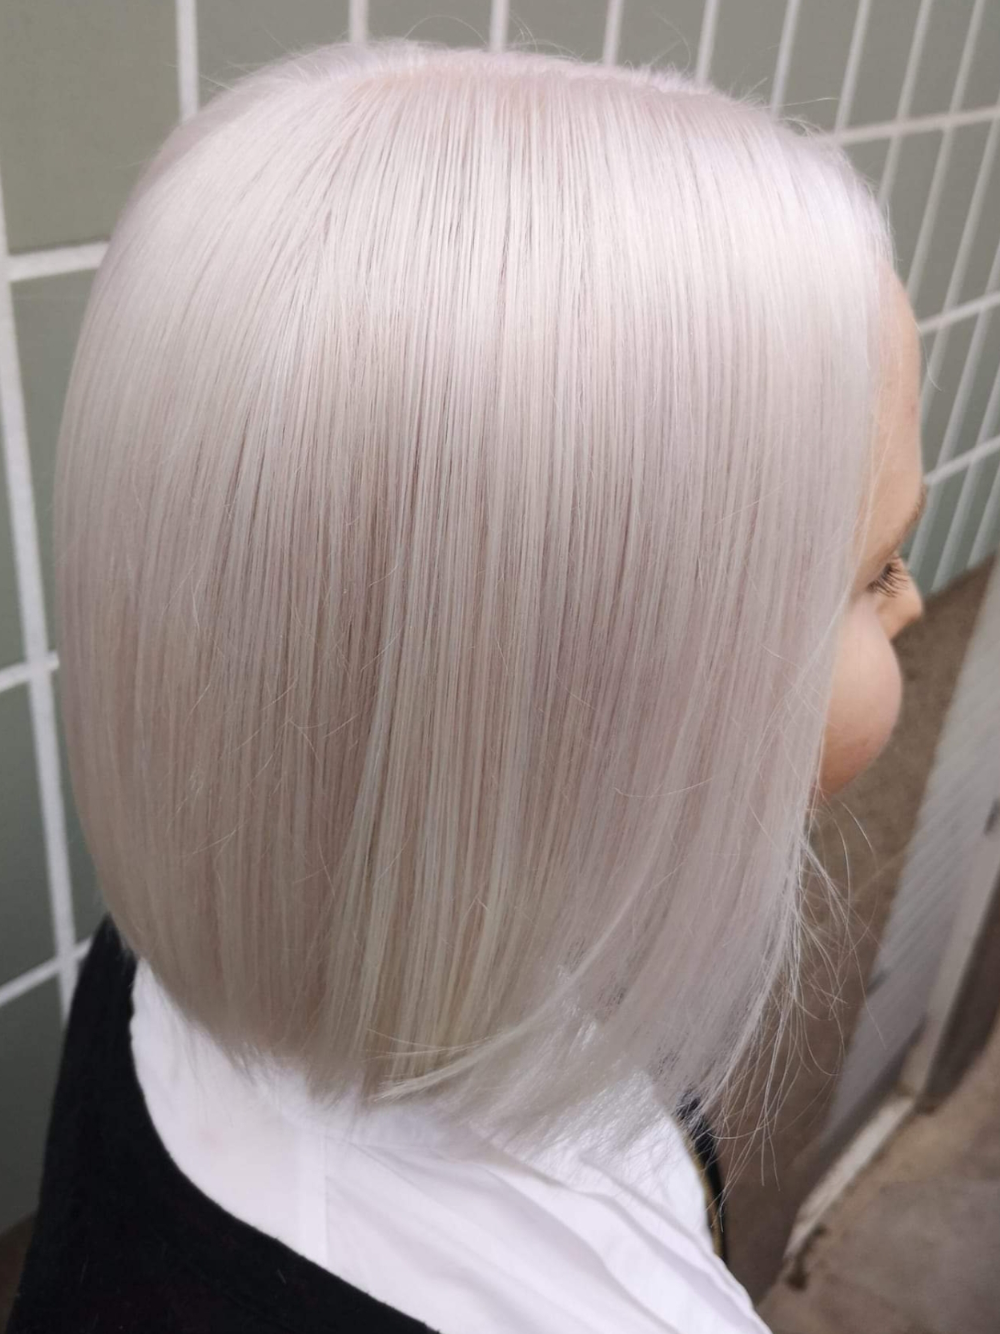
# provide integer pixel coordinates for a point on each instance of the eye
(892, 580)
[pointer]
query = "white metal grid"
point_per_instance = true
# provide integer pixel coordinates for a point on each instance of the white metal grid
(39, 662)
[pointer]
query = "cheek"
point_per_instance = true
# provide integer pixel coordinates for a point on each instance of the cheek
(867, 694)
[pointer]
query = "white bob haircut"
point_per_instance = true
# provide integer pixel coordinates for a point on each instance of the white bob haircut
(457, 503)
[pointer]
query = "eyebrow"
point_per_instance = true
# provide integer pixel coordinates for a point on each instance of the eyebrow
(914, 518)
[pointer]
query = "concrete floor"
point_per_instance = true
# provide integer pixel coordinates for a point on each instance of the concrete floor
(914, 1245)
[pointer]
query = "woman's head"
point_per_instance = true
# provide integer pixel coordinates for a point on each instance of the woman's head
(456, 517)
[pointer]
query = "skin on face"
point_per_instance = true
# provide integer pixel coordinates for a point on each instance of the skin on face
(867, 691)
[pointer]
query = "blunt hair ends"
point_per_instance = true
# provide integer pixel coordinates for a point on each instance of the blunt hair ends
(455, 509)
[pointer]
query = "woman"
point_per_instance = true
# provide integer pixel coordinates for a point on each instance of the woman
(477, 517)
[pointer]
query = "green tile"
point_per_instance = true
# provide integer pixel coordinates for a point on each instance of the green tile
(888, 36)
(975, 427)
(914, 172)
(746, 47)
(960, 178)
(87, 94)
(955, 339)
(26, 938)
(570, 27)
(47, 313)
(870, 158)
(11, 643)
(819, 59)
(940, 510)
(88, 906)
(983, 88)
(458, 23)
(991, 536)
(30, 1047)
(946, 31)
(235, 36)
(656, 34)
(981, 477)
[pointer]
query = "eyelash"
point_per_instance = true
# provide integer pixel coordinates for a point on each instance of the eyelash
(892, 580)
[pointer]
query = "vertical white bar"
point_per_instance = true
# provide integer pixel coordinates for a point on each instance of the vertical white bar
(850, 83)
(612, 31)
(916, 273)
(944, 569)
(358, 22)
(993, 502)
(956, 416)
(706, 42)
(905, 98)
(499, 17)
(187, 57)
(987, 521)
(784, 60)
(31, 600)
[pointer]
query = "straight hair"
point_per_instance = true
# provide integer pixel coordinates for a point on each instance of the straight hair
(457, 501)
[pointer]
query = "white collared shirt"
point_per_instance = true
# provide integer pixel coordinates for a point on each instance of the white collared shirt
(435, 1222)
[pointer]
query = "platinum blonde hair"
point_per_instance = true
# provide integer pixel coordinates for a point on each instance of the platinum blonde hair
(456, 506)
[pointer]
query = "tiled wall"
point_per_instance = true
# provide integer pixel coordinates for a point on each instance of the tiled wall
(87, 92)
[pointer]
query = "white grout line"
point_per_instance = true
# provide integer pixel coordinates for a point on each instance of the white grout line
(943, 158)
(895, 130)
(846, 99)
(905, 99)
(986, 521)
(358, 21)
(981, 451)
(956, 314)
(953, 430)
(943, 570)
(989, 513)
(992, 407)
(958, 270)
(973, 356)
(706, 42)
(186, 17)
(31, 601)
(60, 259)
(20, 673)
(499, 23)
(34, 977)
(784, 60)
(612, 31)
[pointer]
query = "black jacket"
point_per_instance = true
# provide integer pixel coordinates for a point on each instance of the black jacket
(124, 1242)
